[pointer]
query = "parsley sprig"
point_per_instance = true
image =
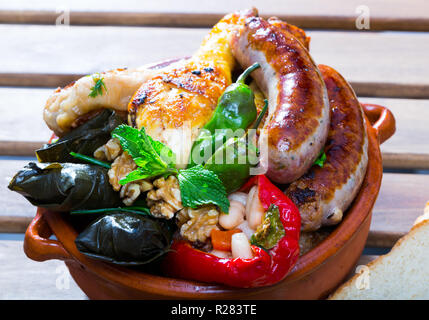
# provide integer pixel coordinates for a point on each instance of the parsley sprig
(198, 186)
(97, 89)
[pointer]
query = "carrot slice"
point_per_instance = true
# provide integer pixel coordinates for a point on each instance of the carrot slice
(221, 240)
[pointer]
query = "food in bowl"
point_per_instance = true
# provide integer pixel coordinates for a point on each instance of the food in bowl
(211, 176)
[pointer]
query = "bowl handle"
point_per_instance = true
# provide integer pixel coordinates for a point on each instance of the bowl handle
(38, 246)
(382, 120)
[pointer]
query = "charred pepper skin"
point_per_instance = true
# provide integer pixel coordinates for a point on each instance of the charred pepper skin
(265, 268)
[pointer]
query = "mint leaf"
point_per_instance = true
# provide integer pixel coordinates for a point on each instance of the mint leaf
(268, 234)
(199, 186)
(153, 158)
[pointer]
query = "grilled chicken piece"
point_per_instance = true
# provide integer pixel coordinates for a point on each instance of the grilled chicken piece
(65, 106)
(175, 104)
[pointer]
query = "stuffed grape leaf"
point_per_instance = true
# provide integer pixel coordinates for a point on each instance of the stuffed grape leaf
(126, 239)
(65, 186)
(85, 139)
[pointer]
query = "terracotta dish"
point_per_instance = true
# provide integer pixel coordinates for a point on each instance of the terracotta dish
(316, 274)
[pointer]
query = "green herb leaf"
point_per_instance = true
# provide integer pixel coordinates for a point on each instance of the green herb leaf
(271, 230)
(90, 160)
(153, 158)
(143, 173)
(199, 186)
(134, 209)
(97, 89)
(320, 161)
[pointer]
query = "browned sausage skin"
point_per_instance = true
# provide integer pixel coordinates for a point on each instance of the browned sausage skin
(298, 115)
(298, 33)
(324, 193)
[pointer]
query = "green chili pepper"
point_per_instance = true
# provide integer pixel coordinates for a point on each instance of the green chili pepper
(235, 110)
(232, 162)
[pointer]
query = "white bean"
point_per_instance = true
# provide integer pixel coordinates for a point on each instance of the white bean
(238, 196)
(240, 246)
(234, 217)
(254, 209)
(249, 200)
(244, 226)
(221, 254)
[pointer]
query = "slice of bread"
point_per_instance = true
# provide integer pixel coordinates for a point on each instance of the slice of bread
(402, 274)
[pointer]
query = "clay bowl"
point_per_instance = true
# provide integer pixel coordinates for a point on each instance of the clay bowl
(316, 274)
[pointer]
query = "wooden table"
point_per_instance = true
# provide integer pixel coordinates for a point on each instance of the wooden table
(387, 64)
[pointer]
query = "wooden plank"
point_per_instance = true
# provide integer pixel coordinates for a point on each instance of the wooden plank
(19, 148)
(365, 259)
(401, 200)
(22, 119)
(25, 279)
(395, 63)
(384, 14)
(13, 224)
(11, 203)
(83, 50)
(408, 148)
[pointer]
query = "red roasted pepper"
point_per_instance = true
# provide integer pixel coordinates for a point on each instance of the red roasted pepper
(265, 268)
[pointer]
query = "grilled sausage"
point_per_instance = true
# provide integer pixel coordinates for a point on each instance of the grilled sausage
(298, 33)
(324, 193)
(298, 114)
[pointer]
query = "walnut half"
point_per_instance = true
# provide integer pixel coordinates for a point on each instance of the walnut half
(120, 168)
(165, 200)
(131, 191)
(197, 224)
(109, 151)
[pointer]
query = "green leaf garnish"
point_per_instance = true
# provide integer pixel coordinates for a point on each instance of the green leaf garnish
(137, 210)
(268, 234)
(199, 186)
(153, 158)
(90, 160)
(97, 89)
(320, 161)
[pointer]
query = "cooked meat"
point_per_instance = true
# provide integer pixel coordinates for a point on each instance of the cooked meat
(297, 124)
(323, 194)
(290, 29)
(68, 104)
(176, 103)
